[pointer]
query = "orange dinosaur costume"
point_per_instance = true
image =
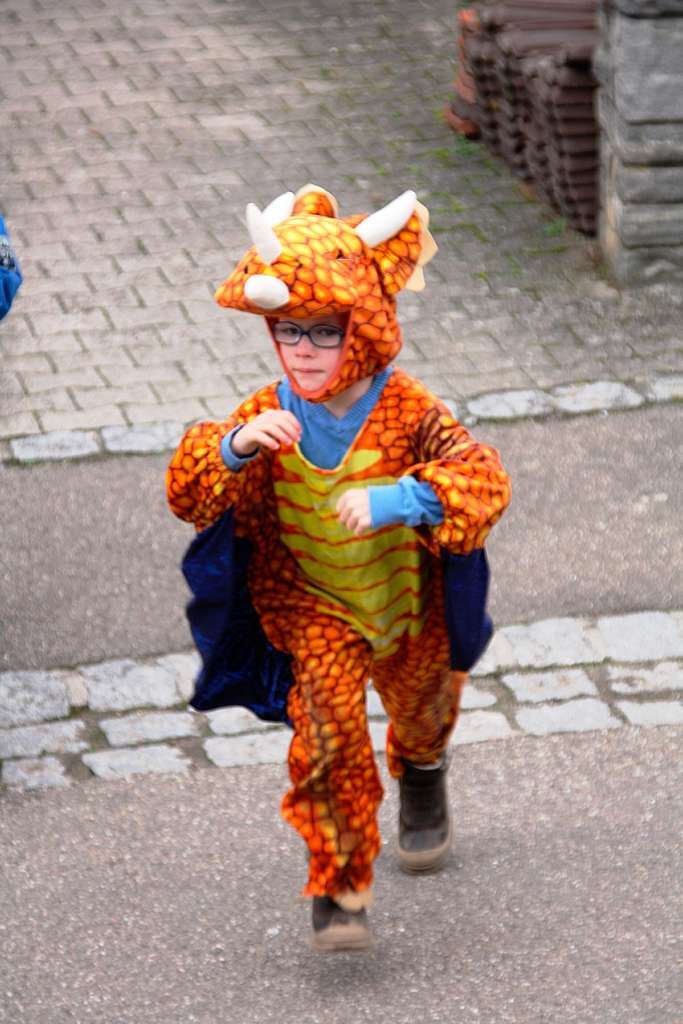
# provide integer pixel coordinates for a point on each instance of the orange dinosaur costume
(291, 612)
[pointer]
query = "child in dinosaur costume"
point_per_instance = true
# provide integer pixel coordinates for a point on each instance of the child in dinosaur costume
(341, 516)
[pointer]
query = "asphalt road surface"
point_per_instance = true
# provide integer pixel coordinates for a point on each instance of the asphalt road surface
(90, 552)
(174, 901)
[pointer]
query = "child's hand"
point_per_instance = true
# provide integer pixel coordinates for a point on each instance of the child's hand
(354, 510)
(272, 429)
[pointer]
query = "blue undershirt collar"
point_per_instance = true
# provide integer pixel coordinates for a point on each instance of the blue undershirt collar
(320, 426)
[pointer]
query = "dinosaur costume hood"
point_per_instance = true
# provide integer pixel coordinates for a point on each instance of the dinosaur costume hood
(307, 262)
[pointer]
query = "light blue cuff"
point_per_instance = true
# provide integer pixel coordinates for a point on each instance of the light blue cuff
(232, 461)
(406, 502)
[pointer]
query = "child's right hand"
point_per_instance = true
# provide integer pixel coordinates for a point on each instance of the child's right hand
(272, 429)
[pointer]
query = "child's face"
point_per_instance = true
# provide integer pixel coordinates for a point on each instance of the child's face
(310, 365)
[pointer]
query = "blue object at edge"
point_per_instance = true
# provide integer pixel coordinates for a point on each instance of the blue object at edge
(10, 273)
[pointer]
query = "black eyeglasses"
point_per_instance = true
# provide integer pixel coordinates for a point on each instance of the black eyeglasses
(322, 335)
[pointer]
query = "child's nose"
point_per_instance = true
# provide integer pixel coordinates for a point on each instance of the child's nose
(306, 346)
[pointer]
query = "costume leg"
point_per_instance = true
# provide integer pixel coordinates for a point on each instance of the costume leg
(422, 698)
(421, 695)
(335, 783)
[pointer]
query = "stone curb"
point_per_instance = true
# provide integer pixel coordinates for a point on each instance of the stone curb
(507, 406)
(122, 717)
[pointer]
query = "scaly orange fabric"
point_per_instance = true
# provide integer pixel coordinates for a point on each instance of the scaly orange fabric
(340, 607)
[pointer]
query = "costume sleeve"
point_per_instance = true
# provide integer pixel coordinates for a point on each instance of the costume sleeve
(467, 478)
(199, 485)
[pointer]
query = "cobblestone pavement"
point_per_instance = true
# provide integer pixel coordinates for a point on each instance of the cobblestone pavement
(133, 137)
(553, 676)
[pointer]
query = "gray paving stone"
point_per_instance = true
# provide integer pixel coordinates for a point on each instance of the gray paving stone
(507, 405)
(124, 684)
(81, 419)
(51, 738)
(40, 773)
(378, 735)
(185, 667)
(29, 697)
(76, 689)
(57, 444)
(665, 389)
(260, 748)
(234, 721)
(91, 398)
(121, 764)
(374, 706)
(143, 728)
(480, 726)
(562, 641)
(184, 411)
(84, 376)
(19, 423)
(473, 697)
(668, 675)
(658, 712)
(583, 715)
(641, 636)
(498, 654)
(595, 397)
(155, 437)
(535, 687)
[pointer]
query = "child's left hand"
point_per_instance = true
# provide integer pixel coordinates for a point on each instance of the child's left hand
(353, 509)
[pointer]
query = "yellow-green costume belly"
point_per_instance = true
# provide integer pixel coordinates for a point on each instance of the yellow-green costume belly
(378, 581)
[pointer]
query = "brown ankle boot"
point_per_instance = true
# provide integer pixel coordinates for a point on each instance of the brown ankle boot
(336, 929)
(424, 823)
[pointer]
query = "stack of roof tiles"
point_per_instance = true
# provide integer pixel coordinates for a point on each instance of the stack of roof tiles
(525, 85)
(464, 113)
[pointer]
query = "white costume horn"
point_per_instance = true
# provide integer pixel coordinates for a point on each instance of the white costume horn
(262, 235)
(266, 291)
(388, 221)
(280, 209)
